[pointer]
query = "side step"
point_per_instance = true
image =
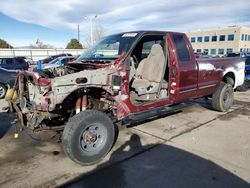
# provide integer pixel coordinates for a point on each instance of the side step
(153, 113)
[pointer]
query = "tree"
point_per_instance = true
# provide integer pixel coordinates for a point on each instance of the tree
(74, 44)
(4, 44)
(98, 33)
(40, 45)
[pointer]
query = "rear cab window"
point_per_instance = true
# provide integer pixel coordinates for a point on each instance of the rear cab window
(181, 47)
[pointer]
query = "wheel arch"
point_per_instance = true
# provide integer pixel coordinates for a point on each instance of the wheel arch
(70, 100)
(5, 87)
(229, 78)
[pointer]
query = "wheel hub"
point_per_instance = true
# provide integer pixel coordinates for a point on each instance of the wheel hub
(227, 99)
(90, 137)
(93, 138)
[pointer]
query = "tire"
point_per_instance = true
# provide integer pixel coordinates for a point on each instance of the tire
(222, 99)
(88, 137)
(243, 87)
(3, 90)
(230, 81)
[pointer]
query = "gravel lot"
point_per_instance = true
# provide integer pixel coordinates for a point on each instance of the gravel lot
(197, 147)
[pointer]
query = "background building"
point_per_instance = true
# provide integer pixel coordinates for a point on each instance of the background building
(220, 41)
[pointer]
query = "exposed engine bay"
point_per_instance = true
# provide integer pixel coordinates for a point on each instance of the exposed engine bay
(48, 98)
(69, 69)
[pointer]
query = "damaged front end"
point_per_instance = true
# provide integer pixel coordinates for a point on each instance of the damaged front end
(32, 101)
(47, 99)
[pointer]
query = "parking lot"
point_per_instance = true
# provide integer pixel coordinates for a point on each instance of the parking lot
(196, 147)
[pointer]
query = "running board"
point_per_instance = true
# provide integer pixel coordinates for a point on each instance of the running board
(153, 113)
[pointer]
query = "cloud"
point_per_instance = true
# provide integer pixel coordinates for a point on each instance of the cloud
(19, 42)
(117, 16)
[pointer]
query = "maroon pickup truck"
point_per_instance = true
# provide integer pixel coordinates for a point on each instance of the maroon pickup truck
(124, 78)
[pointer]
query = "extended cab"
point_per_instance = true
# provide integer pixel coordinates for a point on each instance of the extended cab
(125, 77)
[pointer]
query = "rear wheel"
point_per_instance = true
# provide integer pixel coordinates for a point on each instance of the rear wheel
(230, 81)
(3, 91)
(222, 99)
(88, 137)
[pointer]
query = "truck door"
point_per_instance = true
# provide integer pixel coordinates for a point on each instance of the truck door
(186, 67)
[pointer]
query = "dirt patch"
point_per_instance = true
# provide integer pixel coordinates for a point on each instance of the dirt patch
(193, 108)
(238, 102)
(25, 148)
(240, 111)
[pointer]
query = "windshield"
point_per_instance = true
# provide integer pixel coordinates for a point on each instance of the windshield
(54, 61)
(109, 48)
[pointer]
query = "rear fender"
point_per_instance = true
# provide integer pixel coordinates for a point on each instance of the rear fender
(238, 72)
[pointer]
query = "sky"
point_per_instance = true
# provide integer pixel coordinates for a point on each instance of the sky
(55, 22)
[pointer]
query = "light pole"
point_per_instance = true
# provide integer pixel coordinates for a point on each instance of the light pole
(91, 19)
(78, 32)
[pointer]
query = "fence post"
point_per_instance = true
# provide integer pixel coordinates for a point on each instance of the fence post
(13, 52)
(31, 55)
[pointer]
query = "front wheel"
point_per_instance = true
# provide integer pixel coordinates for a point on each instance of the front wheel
(223, 98)
(88, 137)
